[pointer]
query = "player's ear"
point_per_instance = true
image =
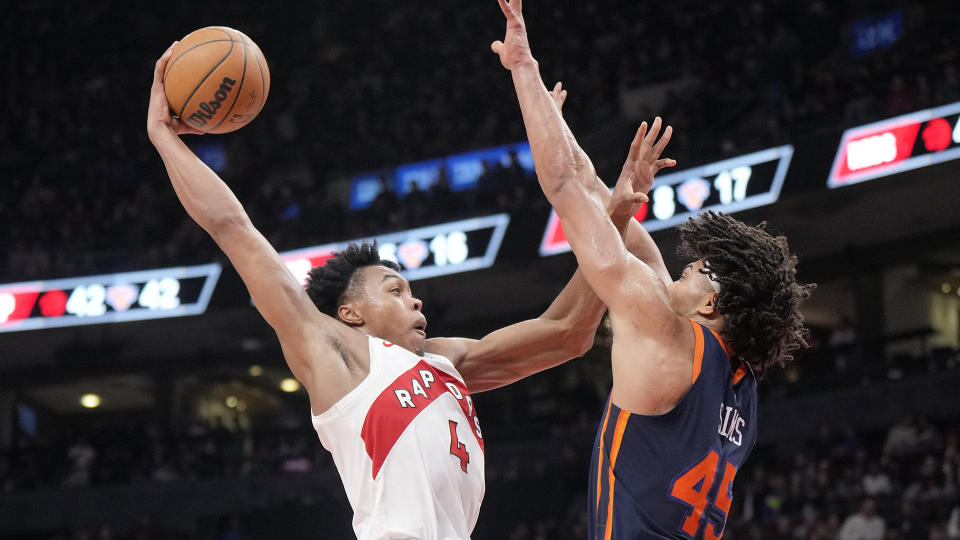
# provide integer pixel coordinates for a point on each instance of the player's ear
(708, 306)
(349, 313)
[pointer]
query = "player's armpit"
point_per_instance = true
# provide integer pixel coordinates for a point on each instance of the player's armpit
(320, 351)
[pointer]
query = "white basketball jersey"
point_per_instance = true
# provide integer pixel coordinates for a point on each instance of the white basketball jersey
(408, 446)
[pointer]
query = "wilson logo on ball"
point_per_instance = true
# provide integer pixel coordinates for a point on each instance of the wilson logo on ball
(207, 109)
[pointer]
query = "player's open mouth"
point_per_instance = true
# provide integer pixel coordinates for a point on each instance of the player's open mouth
(421, 327)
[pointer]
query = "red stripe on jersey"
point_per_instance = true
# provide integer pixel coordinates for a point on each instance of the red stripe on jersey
(406, 397)
(466, 402)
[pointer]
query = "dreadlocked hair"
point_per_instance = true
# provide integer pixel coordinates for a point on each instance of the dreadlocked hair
(327, 285)
(759, 294)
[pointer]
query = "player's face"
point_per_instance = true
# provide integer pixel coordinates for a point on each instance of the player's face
(389, 309)
(691, 291)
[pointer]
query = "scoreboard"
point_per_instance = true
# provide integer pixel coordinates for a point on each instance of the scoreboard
(437, 250)
(898, 144)
(149, 294)
(748, 181)
(729, 186)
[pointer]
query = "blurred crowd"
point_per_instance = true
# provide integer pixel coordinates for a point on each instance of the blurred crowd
(842, 482)
(899, 484)
(128, 453)
(84, 192)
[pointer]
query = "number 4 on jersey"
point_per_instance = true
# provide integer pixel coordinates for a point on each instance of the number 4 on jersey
(692, 488)
(457, 448)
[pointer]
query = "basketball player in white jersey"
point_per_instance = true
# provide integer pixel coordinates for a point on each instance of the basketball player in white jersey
(393, 407)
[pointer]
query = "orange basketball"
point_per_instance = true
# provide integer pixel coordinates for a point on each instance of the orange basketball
(217, 79)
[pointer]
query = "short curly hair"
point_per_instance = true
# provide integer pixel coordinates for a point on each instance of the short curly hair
(329, 284)
(759, 294)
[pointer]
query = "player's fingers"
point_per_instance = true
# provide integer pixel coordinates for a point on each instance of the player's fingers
(662, 143)
(507, 9)
(558, 94)
(182, 127)
(162, 63)
(666, 162)
(637, 142)
(652, 134)
(496, 46)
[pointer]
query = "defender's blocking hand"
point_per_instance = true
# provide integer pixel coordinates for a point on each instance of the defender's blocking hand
(514, 50)
(559, 95)
(642, 164)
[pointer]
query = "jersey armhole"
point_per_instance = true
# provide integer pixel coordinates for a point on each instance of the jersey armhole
(343, 404)
(697, 350)
(741, 369)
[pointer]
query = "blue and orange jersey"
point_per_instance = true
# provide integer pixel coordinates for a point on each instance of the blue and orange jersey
(671, 476)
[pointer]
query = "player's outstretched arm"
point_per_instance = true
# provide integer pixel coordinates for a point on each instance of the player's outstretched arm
(563, 332)
(276, 293)
(636, 238)
(623, 282)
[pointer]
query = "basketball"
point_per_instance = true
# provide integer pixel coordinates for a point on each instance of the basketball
(217, 80)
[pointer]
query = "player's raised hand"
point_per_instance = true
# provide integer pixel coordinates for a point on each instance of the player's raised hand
(158, 112)
(514, 50)
(643, 162)
(559, 95)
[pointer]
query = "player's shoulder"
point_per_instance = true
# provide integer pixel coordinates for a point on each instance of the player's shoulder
(654, 371)
(450, 349)
(329, 361)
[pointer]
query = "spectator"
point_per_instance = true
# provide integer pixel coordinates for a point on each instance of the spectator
(929, 492)
(416, 205)
(842, 341)
(953, 524)
(385, 210)
(444, 203)
(81, 456)
(912, 526)
(863, 525)
(876, 482)
(902, 437)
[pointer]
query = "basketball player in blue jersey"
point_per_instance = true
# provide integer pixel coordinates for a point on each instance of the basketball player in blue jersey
(681, 418)
(392, 407)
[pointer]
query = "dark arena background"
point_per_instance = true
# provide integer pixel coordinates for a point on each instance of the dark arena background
(142, 396)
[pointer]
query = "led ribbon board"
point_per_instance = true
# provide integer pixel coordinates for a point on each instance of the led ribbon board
(437, 250)
(728, 186)
(899, 144)
(462, 170)
(131, 296)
